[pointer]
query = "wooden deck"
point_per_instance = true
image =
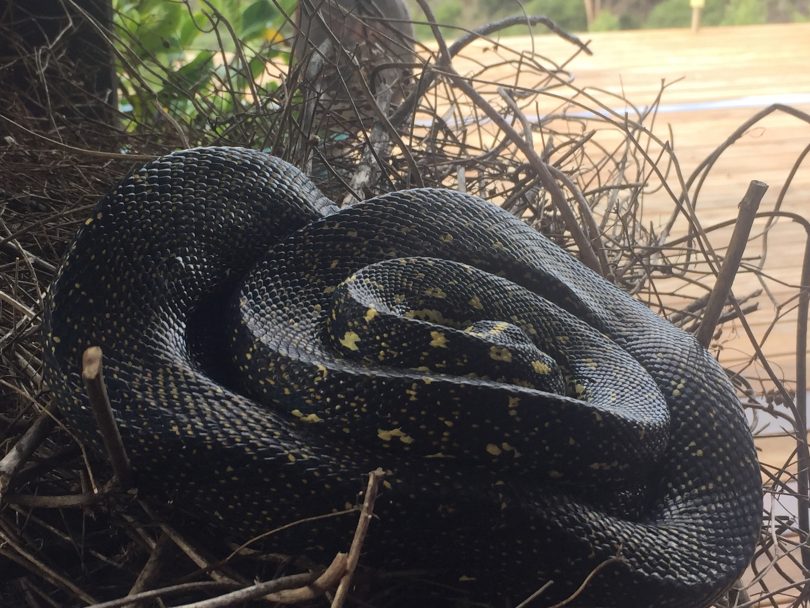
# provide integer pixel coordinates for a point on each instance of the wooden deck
(727, 75)
(720, 78)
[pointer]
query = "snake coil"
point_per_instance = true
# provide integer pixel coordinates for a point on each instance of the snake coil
(265, 350)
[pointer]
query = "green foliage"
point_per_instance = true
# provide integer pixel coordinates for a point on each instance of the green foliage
(185, 59)
(745, 12)
(568, 14)
(669, 13)
(677, 13)
(789, 10)
(197, 63)
(799, 17)
(447, 14)
(469, 14)
(605, 21)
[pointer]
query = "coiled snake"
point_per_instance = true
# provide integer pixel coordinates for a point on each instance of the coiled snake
(533, 419)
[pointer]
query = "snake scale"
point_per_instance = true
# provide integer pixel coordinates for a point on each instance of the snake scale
(265, 350)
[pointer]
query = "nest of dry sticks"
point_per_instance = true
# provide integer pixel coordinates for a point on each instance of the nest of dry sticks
(577, 171)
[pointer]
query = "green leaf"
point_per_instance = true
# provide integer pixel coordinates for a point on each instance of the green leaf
(189, 29)
(257, 66)
(195, 72)
(256, 19)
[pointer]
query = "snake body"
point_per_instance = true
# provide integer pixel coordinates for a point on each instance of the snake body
(265, 350)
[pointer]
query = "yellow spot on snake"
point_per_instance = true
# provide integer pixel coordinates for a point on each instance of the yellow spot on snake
(397, 432)
(350, 340)
(475, 302)
(438, 339)
(426, 314)
(446, 237)
(291, 457)
(493, 449)
(370, 314)
(88, 221)
(513, 402)
(333, 264)
(555, 474)
(56, 339)
(311, 418)
(540, 367)
(500, 353)
(435, 292)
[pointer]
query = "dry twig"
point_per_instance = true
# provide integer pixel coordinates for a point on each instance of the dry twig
(366, 513)
(100, 402)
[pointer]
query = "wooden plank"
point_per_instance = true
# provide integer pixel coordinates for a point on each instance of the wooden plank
(743, 69)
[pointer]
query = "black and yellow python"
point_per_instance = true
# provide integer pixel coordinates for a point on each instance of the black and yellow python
(265, 350)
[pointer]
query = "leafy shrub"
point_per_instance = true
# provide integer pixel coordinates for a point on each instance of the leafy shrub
(176, 54)
(568, 14)
(745, 12)
(605, 21)
(447, 13)
(677, 13)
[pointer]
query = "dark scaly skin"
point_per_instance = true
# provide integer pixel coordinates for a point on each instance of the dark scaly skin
(647, 454)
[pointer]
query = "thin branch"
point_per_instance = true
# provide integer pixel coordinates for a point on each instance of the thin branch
(100, 402)
(739, 239)
(17, 553)
(25, 446)
(583, 241)
(67, 501)
(163, 592)
(366, 513)
(289, 589)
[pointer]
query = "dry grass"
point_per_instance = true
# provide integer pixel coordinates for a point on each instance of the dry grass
(549, 152)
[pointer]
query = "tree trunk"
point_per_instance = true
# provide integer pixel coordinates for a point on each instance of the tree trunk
(590, 11)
